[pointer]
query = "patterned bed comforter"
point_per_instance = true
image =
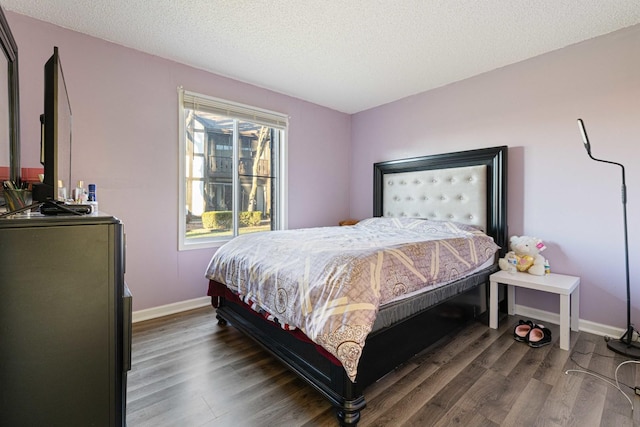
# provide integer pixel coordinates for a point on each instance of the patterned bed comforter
(330, 281)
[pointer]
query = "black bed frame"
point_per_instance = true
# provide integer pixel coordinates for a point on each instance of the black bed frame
(400, 341)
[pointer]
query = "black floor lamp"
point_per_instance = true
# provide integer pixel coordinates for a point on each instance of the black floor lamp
(625, 344)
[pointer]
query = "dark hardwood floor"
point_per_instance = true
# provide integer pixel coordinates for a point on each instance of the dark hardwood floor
(188, 371)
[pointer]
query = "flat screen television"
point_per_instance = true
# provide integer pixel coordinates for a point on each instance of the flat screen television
(55, 135)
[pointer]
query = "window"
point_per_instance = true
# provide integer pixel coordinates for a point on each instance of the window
(231, 170)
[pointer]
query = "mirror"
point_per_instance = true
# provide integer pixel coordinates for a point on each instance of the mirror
(9, 105)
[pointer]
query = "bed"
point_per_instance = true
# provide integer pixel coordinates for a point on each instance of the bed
(460, 193)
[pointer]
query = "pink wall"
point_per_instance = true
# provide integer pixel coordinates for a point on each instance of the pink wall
(125, 136)
(555, 191)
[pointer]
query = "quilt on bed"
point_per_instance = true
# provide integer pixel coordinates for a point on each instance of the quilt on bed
(330, 281)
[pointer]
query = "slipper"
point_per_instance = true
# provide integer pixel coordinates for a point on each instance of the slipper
(522, 329)
(539, 336)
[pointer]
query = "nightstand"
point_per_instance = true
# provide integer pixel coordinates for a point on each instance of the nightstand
(568, 287)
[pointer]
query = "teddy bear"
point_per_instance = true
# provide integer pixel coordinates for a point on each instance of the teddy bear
(526, 252)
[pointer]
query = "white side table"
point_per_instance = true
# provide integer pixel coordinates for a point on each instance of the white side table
(568, 287)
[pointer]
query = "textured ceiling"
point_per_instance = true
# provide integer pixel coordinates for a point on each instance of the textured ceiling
(348, 55)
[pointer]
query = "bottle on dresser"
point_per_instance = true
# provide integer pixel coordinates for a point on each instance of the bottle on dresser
(62, 191)
(79, 194)
(92, 198)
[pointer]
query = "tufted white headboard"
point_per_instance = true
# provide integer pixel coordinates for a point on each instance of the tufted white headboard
(453, 194)
(466, 186)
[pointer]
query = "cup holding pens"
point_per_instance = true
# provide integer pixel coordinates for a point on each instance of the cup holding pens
(16, 199)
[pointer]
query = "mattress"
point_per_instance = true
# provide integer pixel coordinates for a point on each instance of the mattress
(401, 309)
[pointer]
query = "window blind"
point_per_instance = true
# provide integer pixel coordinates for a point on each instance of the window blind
(233, 110)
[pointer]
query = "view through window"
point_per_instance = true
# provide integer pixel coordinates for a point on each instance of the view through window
(231, 169)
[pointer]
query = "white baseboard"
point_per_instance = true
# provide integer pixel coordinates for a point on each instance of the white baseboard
(165, 310)
(583, 325)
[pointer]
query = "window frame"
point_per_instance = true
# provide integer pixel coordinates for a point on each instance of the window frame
(240, 112)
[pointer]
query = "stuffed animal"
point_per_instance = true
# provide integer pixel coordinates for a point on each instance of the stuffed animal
(526, 251)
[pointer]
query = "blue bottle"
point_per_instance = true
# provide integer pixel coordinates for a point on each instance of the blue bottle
(92, 193)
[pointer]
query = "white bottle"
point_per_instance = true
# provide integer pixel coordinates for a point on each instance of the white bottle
(79, 195)
(62, 191)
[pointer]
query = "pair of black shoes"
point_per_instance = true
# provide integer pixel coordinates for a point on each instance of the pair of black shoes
(531, 333)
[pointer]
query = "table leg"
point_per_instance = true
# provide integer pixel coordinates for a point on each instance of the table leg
(575, 310)
(564, 322)
(493, 305)
(511, 299)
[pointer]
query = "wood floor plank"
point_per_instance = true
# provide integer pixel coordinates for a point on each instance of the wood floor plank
(427, 363)
(177, 374)
(189, 371)
(590, 400)
(438, 406)
(560, 403)
(528, 405)
(452, 361)
(494, 394)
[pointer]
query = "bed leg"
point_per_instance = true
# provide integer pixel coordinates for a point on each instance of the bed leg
(348, 419)
(221, 321)
(349, 413)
